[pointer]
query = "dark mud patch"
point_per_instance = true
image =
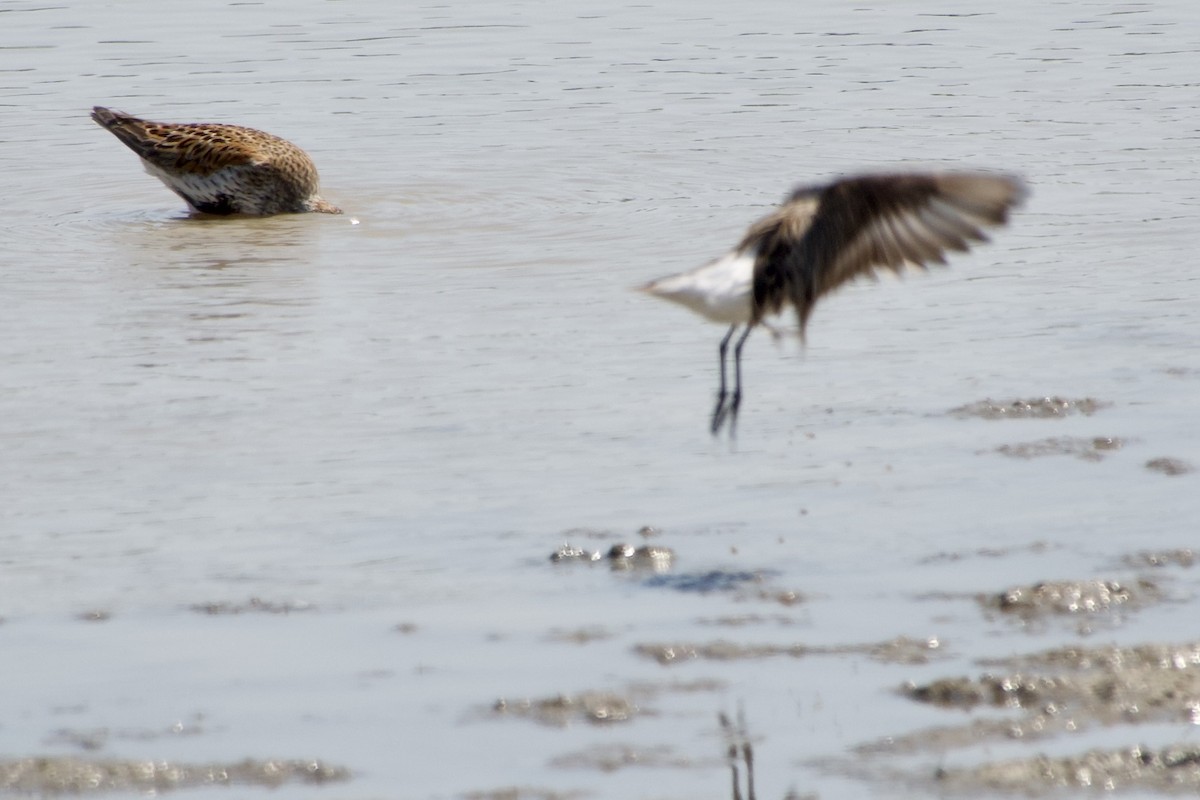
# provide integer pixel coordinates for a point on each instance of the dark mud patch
(1172, 769)
(1087, 449)
(1037, 408)
(1169, 466)
(254, 605)
(900, 650)
(708, 582)
(54, 776)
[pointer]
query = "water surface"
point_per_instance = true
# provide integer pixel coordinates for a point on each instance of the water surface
(396, 415)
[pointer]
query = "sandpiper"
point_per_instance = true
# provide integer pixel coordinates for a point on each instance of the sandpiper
(222, 169)
(823, 236)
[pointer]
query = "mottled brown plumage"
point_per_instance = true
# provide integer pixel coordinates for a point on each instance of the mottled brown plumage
(822, 237)
(222, 169)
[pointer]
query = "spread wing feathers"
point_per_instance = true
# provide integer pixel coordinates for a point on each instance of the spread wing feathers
(199, 148)
(824, 236)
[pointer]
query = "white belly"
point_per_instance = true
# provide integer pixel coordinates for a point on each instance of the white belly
(720, 290)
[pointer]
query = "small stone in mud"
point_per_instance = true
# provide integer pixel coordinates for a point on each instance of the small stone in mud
(1169, 466)
(1092, 449)
(1038, 408)
(594, 707)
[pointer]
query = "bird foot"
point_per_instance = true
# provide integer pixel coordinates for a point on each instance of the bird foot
(726, 412)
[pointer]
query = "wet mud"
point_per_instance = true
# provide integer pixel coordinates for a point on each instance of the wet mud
(595, 707)
(1029, 699)
(1033, 699)
(254, 605)
(1086, 448)
(58, 776)
(1057, 598)
(1053, 694)
(900, 650)
(620, 556)
(1170, 770)
(1169, 466)
(522, 793)
(1037, 408)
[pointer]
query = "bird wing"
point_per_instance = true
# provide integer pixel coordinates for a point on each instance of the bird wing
(824, 236)
(195, 148)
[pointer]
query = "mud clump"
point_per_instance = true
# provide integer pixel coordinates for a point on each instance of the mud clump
(563, 709)
(1038, 408)
(1169, 466)
(522, 793)
(901, 650)
(1093, 449)
(1179, 557)
(610, 758)
(1070, 598)
(1063, 691)
(52, 776)
(1171, 769)
(1140, 693)
(621, 556)
(254, 605)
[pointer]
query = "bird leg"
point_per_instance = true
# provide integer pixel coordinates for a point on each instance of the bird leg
(737, 380)
(720, 410)
(739, 750)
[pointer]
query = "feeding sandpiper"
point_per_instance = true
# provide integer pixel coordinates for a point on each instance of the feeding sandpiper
(222, 169)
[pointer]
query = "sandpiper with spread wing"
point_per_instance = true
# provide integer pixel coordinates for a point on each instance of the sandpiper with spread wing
(823, 236)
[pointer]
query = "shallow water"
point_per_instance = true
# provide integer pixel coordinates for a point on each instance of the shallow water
(395, 416)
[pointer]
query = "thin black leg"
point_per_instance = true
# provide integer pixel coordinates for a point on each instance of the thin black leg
(748, 753)
(737, 378)
(720, 410)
